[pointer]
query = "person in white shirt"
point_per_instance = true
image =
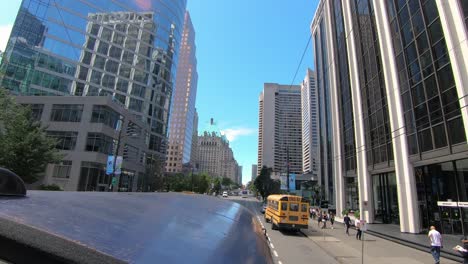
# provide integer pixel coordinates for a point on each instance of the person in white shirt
(436, 243)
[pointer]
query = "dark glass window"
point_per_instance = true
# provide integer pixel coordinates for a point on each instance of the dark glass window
(36, 111)
(430, 11)
(435, 31)
(425, 138)
(98, 142)
(455, 129)
(445, 76)
(62, 169)
(92, 174)
(104, 114)
(66, 113)
(440, 138)
(66, 140)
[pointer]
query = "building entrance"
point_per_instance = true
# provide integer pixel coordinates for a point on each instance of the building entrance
(441, 188)
(385, 198)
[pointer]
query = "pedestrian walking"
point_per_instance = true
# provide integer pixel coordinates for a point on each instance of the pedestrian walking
(311, 212)
(436, 243)
(332, 220)
(358, 229)
(324, 220)
(347, 222)
(319, 220)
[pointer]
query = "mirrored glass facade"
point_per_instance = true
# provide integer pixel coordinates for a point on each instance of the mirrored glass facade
(124, 48)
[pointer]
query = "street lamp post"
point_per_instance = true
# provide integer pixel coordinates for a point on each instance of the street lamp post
(287, 168)
(192, 180)
(116, 152)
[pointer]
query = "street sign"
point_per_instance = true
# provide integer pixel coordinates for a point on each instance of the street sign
(463, 204)
(292, 182)
(110, 165)
(284, 182)
(118, 165)
(447, 203)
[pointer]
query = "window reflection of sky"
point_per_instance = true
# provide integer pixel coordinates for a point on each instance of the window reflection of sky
(73, 15)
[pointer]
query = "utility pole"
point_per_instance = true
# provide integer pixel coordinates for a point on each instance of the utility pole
(116, 152)
(192, 180)
(287, 166)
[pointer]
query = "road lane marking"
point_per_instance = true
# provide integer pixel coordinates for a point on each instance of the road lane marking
(276, 254)
(279, 262)
(272, 246)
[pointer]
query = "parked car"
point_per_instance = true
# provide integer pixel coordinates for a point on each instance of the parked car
(225, 194)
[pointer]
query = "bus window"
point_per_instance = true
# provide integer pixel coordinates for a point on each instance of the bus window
(284, 206)
(293, 207)
(303, 207)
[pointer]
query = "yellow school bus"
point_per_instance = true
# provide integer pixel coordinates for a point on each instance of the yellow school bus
(287, 212)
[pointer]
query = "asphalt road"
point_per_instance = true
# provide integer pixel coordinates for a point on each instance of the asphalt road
(287, 247)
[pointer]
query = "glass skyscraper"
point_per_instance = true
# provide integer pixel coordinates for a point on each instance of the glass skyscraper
(124, 48)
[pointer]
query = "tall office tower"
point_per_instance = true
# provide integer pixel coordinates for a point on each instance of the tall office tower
(397, 94)
(215, 156)
(280, 127)
(254, 172)
(239, 175)
(126, 49)
(310, 133)
(183, 102)
(193, 154)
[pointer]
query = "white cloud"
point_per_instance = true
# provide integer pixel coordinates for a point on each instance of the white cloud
(5, 31)
(233, 133)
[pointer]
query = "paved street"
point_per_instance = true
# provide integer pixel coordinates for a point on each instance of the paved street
(333, 245)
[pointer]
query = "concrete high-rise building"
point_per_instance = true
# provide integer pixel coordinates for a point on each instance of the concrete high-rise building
(126, 49)
(310, 125)
(280, 127)
(239, 175)
(393, 77)
(254, 172)
(215, 156)
(181, 125)
(193, 154)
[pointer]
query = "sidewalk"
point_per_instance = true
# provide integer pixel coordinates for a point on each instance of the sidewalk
(392, 232)
(348, 250)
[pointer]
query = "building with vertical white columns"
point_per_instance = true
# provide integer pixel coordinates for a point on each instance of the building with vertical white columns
(310, 127)
(280, 126)
(394, 77)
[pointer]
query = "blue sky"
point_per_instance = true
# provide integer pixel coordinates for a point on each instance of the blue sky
(241, 44)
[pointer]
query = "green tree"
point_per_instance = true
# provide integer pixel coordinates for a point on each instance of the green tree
(202, 183)
(265, 185)
(24, 146)
(216, 181)
(227, 182)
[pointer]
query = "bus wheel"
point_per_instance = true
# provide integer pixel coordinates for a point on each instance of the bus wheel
(267, 220)
(273, 226)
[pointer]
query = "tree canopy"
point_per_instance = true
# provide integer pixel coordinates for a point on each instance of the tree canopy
(265, 185)
(25, 148)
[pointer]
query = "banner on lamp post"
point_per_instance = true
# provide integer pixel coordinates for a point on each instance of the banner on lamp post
(292, 182)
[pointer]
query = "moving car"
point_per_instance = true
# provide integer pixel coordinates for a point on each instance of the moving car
(225, 194)
(244, 194)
